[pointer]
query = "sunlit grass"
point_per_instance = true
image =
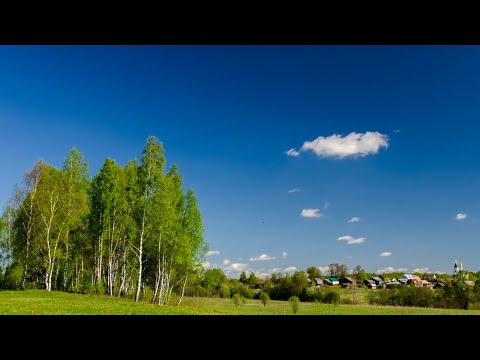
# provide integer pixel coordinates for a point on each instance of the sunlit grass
(42, 302)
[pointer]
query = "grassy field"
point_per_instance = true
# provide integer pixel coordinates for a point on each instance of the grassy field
(33, 302)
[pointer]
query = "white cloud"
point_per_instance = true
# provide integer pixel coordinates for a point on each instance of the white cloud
(284, 255)
(236, 267)
(354, 219)
(460, 216)
(349, 257)
(213, 252)
(206, 265)
(386, 253)
(324, 269)
(292, 152)
(351, 240)
(311, 213)
(294, 190)
(396, 130)
(226, 262)
(354, 144)
(391, 269)
(263, 257)
(421, 270)
(290, 269)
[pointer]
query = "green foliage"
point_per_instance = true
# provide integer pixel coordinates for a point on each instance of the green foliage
(264, 298)
(243, 278)
(225, 290)
(294, 304)
(331, 297)
(237, 299)
(311, 294)
(13, 276)
(313, 272)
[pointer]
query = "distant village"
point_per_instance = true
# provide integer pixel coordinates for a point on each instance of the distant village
(383, 282)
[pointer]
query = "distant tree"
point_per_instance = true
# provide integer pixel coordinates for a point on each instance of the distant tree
(264, 298)
(334, 269)
(342, 270)
(252, 280)
(243, 278)
(313, 272)
(298, 283)
(362, 275)
(294, 304)
(356, 272)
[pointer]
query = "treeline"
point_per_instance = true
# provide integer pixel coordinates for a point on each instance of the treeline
(455, 292)
(127, 231)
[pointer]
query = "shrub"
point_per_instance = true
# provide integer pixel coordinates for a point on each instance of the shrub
(294, 304)
(13, 276)
(224, 291)
(264, 298)
(236, 298)
(331, 297)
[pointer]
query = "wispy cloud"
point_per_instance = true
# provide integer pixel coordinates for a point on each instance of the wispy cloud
(284, 255)
(311, 213)
(391, 269)
(354, 219)
(213, 252)
(263, 257)
(236, 267)
(326, 206)
(226, 262)
(396, 130)
(354, 144)
(294, 190)
(460, 216)
(420, 270)
(351, 240)
(206, 265)
(292, 152)
(385, 253)
(290, 269)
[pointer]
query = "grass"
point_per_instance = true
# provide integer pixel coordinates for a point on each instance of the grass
(42, 302)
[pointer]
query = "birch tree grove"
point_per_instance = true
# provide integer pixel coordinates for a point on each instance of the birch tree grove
(128, 231)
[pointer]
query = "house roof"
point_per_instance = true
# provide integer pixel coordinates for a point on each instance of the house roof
(333, 279)
(349, 279)
(376, 279)
(309, 280)
(370, 281)
(318, 281)
(327, 281)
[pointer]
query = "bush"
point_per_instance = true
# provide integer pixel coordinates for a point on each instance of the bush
(13, 276)
(236, 298)
(331, 297)
(224, 291)
(311, 294)
(294, 304)
(264, 298)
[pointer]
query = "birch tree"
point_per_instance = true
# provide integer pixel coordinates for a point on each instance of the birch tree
(149, 178)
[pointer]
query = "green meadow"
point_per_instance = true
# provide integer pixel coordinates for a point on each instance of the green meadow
(42, 302)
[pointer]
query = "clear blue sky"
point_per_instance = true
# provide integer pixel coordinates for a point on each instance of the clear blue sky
(227, 115)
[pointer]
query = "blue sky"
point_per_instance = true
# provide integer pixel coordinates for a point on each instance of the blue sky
(387, 134)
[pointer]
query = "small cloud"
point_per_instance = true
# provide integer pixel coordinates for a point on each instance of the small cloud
(290, 269)
(354, 219)
(348, 257)
(420, 270)
(206, 265)
(236, 267)
(213, 252)
(326, 206)
(324, 269)
(460, 216)
(351, 240)
(386, 253)
(391, 269)
(311, 213)
(396, 131)
(354, 145)
(294, 190)
(292, 152)
(263, 257)
(226, 262)
(284, 255)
